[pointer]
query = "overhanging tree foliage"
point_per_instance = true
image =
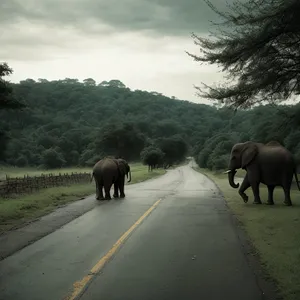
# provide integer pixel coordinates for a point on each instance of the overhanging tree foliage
(257, 45)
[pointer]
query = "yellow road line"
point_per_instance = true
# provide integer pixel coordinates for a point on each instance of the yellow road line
(79, 286)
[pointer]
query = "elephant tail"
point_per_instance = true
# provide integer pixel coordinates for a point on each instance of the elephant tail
(92, 177)
(296, 177)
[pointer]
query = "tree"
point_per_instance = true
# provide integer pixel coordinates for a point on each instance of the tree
(174, 148)
(7, 100)
(122, 140)
(219, 156)
(21, 161)
(88, 157)
(257, 44)
(214, 151)
(113, 83)
(3, 142)
(152, 156)
(167, 128)
(52, 159)
(89, 82)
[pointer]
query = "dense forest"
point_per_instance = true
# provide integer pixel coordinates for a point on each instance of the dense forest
(70, 123)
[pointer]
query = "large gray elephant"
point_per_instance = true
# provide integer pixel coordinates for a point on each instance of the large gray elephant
(271, 164)
(108, 172)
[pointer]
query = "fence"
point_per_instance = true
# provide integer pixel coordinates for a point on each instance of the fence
(28, 184)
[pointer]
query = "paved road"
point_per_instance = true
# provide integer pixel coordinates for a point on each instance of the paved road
(186, 248)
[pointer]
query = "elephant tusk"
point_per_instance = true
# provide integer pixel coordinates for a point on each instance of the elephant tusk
(228, 171)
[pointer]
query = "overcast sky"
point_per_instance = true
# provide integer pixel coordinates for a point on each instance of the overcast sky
(140, 42)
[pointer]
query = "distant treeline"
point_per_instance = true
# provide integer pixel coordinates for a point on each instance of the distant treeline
(69, 123)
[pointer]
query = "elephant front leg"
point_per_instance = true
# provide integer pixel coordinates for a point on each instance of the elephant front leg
(244, 186)
(121, 186)
(287, 196)
(270, 195)
(116, 190)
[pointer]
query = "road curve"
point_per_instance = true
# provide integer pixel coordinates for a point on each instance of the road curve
(183, 247)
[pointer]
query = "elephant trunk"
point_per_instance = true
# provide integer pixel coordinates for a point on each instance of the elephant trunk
(129, 179)
(231, 174)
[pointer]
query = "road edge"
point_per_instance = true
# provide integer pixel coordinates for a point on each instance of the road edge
(30, 232)
(16, 239)
(267, 284)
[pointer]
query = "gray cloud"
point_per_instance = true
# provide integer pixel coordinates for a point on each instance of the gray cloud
(163, 17)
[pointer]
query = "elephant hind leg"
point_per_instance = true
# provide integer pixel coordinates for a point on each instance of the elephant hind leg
(107, 188)
(116, 191)
(270, 194)
(286, 185)
(99, 190)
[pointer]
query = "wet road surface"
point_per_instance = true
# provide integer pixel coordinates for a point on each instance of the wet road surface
(185, 248)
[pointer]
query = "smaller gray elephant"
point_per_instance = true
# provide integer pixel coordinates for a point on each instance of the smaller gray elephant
(108, 172)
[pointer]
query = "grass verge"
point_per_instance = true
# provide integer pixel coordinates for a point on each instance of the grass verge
(20, 172)
(17, 211)
(140, 173)
(273, 230)
(23, 208)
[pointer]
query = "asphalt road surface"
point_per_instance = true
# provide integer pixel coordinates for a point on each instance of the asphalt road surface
(170, 238)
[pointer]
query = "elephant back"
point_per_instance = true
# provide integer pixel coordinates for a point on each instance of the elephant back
(274, 143)
(104, 164)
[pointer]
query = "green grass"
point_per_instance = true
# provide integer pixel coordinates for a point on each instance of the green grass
(273, 230)
(140, 173)
(17, 211)
(21, 209)
(20, 172)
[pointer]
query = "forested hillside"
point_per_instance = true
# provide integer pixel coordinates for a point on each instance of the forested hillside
(68, 123)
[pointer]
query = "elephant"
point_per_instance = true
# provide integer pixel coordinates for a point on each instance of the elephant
(270, 164)
(108, 172)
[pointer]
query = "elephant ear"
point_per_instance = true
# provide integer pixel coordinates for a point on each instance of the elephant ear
(121, 166)
(249, 153)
